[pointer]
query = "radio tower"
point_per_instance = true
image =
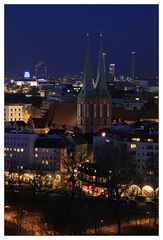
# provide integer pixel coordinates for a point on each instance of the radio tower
(133, 64)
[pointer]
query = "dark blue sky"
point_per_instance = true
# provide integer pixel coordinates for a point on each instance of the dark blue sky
(55, 34)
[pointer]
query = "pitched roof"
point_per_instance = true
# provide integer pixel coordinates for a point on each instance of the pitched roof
(39, 122)
(87, 90)
(101, 87)
(76, 139)
(62, 113)
(50, 143)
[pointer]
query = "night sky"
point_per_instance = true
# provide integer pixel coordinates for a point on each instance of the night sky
(55, 34)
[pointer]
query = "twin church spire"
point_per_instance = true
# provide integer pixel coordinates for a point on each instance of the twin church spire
(94, 102)
(87, 89)
(100, 90)
(101, 87)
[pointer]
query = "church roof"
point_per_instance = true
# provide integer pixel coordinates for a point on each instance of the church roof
(101, 87)
(87, 89)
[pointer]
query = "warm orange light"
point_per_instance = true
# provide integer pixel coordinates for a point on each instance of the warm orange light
(103, 134)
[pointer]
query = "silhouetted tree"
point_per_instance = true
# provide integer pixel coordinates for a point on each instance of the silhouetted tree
(120, 171)
(152, 167)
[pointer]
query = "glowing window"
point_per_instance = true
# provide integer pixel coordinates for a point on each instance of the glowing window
(100, 110)
(95, 110)
(132, 146)
(87, 110)
(10, 154)
(46, 162)
(103, 134)
(36, 155)
(42, 161)
(18, 150)
(150, 139)
(136, 139)
(22, 150)
(108, 110)
(36, 149)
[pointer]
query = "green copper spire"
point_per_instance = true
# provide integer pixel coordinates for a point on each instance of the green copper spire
(87, 89)
(101, 87)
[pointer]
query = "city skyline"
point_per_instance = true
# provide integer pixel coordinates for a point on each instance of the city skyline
(42, 37)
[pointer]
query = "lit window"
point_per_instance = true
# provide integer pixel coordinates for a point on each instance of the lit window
(87, 110)
(36, 149)
(107, 141)
(108, 110)
(94, 178)
(150, 140)
(42, 161)
(103, 134)
(10, 154)
(18, 150)
(46, 162)
(15, 149)
(22, 150)
(95, 110)
(79, 113)
(36, 155)
(133, 146)
(46, 150)
(136, 139)
(5, 149)
(100, 110)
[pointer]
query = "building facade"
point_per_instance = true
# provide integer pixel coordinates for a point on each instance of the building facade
(18, 150)
(94, 104)
(49, 154)
(13, 112)
(142, 150)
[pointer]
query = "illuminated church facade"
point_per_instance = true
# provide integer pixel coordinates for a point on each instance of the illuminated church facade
(94, 105)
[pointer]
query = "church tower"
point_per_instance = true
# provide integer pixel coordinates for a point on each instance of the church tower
(104, 98)
(94, 104)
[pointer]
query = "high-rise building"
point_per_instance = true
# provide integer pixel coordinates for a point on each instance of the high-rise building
(112, 69)
(94, 104)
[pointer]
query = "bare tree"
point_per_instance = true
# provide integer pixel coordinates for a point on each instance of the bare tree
(75, 156)
(152, 167)
(119, 169)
